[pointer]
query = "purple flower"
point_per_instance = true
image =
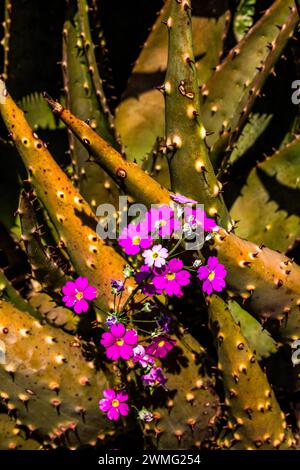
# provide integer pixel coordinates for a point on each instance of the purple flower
(111, 320)
(140, 356)
(119, 342)
(160, 346)
(113, 404)
(145, 415)
(148, 288)
(156, 256)
(155, 377)
(163, 322)
(171, 277)
(214, 274)
(117, 286)
(199, 217)
(133, 238)
(182, 199)
(162, 221)
(77, 293)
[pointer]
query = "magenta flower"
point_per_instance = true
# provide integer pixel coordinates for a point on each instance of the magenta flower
(155, 377)
(161, 220)
(156, 256)
(182, 199)
(198, 216)
(140, 356)
(160, 346)
(214, 274)
(135, 237)
(171, 277)
(119, 342)
(77, 293)
(113, 404)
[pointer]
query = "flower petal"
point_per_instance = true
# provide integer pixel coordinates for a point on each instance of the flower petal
(81, 283)
(123, 409)
(131, 337)
(118, 330)
(104, 405)
(107, 339)
(122, 396)
(109, 393)
(113, 414)
(81, 306)
(113, 352)
(69, 288)
(69, 301)
(90, 293)
(212, 263)
(126, 352)
(207, 287)
(203, 273)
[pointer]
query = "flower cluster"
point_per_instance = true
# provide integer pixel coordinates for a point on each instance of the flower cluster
(159, 267)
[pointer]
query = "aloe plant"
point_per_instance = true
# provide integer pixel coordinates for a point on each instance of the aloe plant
(193, 137)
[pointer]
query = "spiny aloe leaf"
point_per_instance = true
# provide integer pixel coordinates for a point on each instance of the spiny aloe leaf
(45, 270)
(10, 168)
(267, 209)
(59, 317)
(258, 339)
(129, 176)
(140, 116)
(230, 93)
(6, 36)
(89, 51)
(256, 125)
(191, 171)
(255, 417)
(13, 438)
(190, 407)
(54, 390)
(83, 100)
(72, 217)
(38, 114)
(243, 18)
(27, 46)
(7, 290)
(267, 280)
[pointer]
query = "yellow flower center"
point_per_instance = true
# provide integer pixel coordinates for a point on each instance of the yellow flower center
(161, 343)
(162, 223)
(120, 342)
(211, 276)
(115, 403)
(155, 255)
(79, 295)
(170, 276)
(136, 240)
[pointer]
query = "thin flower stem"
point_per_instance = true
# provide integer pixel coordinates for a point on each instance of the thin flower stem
(144, 321)
(176, 254)
(144, 331)
(130, 297)
(176, 246)
(120, 298)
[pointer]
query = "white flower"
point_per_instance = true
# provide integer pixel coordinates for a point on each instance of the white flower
(156, 256)
(197, 263)
(128, 271)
